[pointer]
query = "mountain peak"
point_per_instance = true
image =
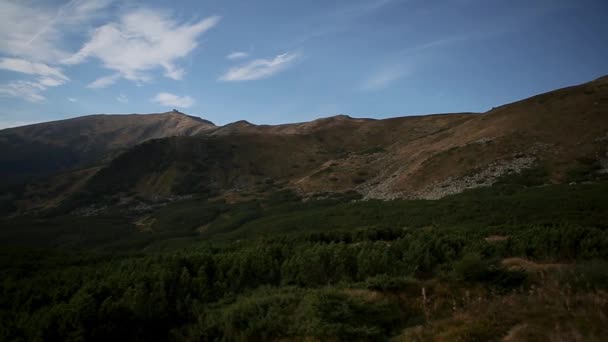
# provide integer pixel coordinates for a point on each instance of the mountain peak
(337, 117)
(240, 123)
(177, 113)
(341, 118)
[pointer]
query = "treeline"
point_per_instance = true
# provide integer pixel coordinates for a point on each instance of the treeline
(187, 222)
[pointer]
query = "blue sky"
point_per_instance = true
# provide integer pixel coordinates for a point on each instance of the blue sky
(283, 61)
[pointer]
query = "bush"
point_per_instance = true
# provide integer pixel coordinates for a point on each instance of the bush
(472, 268)
(259, 317)
(330, 314)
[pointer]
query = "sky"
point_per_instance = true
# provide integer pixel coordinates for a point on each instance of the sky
(278, 61)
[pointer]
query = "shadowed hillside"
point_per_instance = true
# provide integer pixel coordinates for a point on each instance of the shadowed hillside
(558, 137)
(46, 148)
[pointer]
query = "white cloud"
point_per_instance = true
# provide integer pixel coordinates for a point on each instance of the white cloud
(237, 55)
(104, 81)
(50, 82)
(27, 89)
(172, 100)
(173, 72)
(384, 77)
(122, 98)
(143, 40)
(260, 68)
(358, 9)
(31, 68)
(34, 39)
(71, 99)
(33, 31)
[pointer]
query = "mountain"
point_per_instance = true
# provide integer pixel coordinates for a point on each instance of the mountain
(46, 148)
(557, 137)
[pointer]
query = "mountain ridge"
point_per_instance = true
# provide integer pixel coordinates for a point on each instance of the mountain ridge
(42, 149)
(558, 134)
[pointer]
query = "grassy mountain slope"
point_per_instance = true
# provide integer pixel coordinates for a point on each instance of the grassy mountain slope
(47, 148)
(560, 135)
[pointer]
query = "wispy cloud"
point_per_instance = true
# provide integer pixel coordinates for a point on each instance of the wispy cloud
(32, 34)
(260, 68)
(30, 90)
(26, 90)
(122, 98)
(384, 76)
(237, 55)
(34, 31)
(358, 9)
(450, 41)
(143, 40)
(71, 99)
(172, 100)
(31, 68)
(104, 81)
(341, 18)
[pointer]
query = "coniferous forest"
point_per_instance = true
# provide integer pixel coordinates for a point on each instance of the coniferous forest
(473, 267)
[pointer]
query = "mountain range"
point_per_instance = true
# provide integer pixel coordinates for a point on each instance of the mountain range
(560, 135)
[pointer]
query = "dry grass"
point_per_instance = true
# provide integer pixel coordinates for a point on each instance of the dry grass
(549, 310)
(531, 266)
(496, 238)
(366, 295)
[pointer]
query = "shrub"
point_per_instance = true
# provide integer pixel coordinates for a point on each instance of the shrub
(472, 268)
(330, 314)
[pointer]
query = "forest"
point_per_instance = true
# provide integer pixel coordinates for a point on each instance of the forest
(467, 267)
